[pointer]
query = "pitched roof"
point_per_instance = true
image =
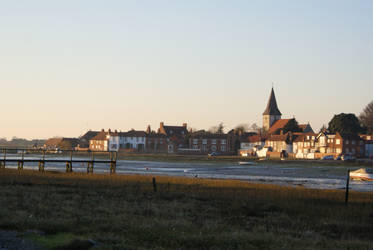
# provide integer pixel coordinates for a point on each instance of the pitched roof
(56, 142)
(133, 133)
(278, 125)
(255, 138)
(173, 130)
(306, 128)
(89, 135)
(102, 135)
(53, 142)
(272, 108)
(278, 137)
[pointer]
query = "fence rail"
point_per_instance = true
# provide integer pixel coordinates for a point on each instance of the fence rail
(69, 160)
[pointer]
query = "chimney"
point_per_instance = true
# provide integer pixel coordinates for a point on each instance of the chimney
(116, 131)
(148, 130)
(185, 125)
(109, 130)
(161, 125)
(102, 130)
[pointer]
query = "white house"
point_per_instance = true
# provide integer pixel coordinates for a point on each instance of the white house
(133, 140)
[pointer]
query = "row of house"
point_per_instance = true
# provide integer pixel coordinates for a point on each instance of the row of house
(303, 143)
(278, 135)
(311, 145)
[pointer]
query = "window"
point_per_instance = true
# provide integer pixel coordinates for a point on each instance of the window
(204, 141)
(213, 141)
(213, 148)
(195, 146)
(222, 148)
(313, 137)
(353, 150)
(338, 141)
(223, 141)
(347, 142)
(368, 137)
(353, 142)
(195, 141)
(308, 137)
(361, 142)
(347, 150)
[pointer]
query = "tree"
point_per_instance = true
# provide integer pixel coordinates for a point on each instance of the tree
(254, 127)
(366, 117)
(217, 129)
(241, 128)
(345, 123)
(291, 126)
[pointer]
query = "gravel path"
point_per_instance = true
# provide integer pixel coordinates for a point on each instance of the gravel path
(10, 240)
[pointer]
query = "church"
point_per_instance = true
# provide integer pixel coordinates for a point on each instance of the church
(272, 122)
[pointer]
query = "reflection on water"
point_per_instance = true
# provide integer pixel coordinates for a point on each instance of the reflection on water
(320, 177)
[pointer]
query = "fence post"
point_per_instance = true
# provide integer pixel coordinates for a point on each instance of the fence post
(347, 186)
(154, 185)
(4, 160)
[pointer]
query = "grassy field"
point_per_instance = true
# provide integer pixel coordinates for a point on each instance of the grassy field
(124, 212)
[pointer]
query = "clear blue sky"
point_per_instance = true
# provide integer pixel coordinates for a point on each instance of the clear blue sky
(68, 66)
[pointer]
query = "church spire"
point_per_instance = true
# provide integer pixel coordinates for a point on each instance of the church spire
(272, 108)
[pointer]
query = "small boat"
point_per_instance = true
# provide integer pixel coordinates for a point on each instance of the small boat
(246, 163)
(361, 174)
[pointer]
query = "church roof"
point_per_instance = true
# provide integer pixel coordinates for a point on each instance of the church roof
(272, 108)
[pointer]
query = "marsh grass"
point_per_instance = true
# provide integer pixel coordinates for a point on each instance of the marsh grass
(123, 212)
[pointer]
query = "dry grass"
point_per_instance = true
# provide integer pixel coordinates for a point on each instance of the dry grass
(123, 212)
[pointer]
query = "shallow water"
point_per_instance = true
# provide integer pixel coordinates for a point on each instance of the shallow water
(292, 174)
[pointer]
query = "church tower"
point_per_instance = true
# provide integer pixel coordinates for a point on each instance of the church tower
(271, 114)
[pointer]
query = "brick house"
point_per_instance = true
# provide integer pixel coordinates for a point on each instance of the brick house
(156, 143)
(176, 136)
(207, 142)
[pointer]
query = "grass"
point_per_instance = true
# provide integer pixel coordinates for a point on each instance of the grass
(124, 212)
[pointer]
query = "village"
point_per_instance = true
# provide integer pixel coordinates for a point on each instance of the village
(278, 138)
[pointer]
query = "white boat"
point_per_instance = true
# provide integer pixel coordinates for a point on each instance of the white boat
(361, 174)
(246, 163)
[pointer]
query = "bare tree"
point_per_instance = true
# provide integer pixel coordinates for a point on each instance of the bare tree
(241, 128)
(366, 117)
(254, 127)
(217, 129)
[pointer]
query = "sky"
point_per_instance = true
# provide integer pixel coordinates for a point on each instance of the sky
(73, 65)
